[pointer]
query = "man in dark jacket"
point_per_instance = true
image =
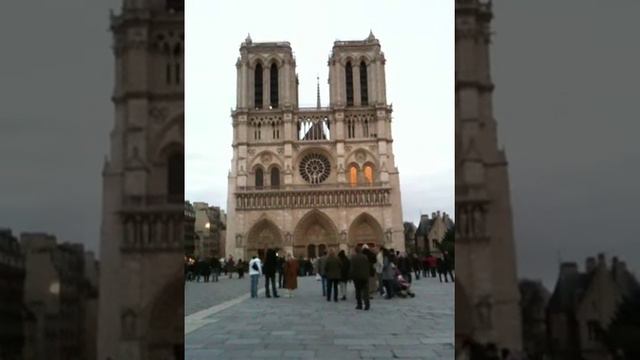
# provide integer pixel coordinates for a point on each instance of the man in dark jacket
(269, 270)
(333, 272)
(359, 271)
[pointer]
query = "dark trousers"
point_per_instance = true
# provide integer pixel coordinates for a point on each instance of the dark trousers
(270, 279)
(388, 287)
(362, 292)
(433, 272)
(280, 279)
(332, 284)
(446, 272)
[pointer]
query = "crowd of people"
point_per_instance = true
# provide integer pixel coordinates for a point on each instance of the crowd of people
(386, 272)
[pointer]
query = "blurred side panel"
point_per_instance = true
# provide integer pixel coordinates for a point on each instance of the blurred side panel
(487, 296)
(142, 248)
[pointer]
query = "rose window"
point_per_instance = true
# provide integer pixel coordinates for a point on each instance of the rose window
(315, 168)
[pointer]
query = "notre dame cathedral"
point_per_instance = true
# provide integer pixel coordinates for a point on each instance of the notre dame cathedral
(306, 180)
(141, 249)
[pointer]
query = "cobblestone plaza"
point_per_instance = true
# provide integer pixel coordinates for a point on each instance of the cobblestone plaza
(222, 322)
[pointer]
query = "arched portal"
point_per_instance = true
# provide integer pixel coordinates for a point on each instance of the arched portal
(263, 235)
(315, 228)
(165, 336)
(365, 230)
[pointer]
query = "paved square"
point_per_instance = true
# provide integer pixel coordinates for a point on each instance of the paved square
(224, 323)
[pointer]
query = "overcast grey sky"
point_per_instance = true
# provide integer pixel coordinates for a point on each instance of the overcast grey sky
(566, 101)
(55, 115)
(417, 35)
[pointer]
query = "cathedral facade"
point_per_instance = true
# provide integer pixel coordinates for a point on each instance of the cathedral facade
(141, 279)
(487, 295)
(306, 180)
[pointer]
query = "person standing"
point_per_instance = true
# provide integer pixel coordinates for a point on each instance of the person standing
(241, 270)
(333, 272)
(344, 269)
(270, 264)
(280, 270)
(372, 271)
(404, 266)
(230, 267)
(321, 263)
(215, 269)
(378, 267)
(291, 268)
(359, 273)
(388, 273)
(255, 271)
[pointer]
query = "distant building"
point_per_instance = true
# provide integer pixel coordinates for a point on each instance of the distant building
(12, 311)
(583, 305)
(61, 292)
(431, 231)
(209, 230)
(534, 298)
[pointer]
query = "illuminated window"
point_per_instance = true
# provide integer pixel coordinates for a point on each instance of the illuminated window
(353, 176)
(368, 174)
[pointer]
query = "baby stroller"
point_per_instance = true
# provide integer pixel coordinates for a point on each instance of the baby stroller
(401, 286)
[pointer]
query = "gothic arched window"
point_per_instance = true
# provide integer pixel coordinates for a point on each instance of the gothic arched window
(368, 174)
(175, 175)
(275, 177)
(364, 91)
(259, 178)
(349, 83)
(257, 84)
(353, 175)
(273, 88)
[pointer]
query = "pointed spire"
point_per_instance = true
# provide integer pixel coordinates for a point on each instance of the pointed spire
(248, 39)
(371, 37)
(318, 92)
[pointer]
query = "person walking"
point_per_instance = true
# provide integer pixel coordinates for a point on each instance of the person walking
(230, 267)
(255, 271)
(291, 268)
(321, 263)
(359, 273)
(333, 272)
(270, 264)
(344, 269)
(404, 266)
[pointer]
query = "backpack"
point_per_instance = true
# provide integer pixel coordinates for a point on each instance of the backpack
(255, 266)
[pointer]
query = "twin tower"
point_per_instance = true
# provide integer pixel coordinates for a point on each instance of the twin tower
(306, 180)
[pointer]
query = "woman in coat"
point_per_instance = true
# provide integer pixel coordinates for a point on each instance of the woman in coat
(291, 268)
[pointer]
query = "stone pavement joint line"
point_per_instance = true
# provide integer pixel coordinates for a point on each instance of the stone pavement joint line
(225, 323)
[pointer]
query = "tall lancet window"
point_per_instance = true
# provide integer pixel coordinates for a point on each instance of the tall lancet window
(364, 91)
(259, 178)
(349, 83)
(275, 178)
(257, 84)
(273, 85)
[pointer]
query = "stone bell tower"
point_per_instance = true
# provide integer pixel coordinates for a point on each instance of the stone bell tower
(306, 180)
(485, 254)
(141, 248)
